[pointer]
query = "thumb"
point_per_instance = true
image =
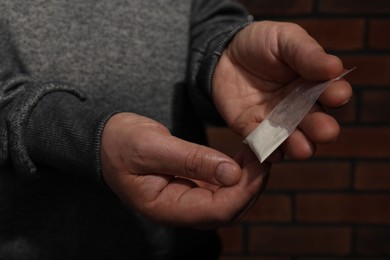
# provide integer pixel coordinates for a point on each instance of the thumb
(305, 55)
(181, 158)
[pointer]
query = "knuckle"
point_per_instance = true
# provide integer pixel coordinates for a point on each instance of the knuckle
(138, 155)
(193, 163)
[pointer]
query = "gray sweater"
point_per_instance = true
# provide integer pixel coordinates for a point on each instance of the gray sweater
(65, 68)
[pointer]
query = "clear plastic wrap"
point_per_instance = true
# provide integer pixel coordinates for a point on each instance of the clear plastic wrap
(285, 117)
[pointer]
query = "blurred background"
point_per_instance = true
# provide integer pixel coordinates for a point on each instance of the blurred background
(336, 205)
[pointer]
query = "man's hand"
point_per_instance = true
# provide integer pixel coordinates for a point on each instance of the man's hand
(252, 77)
(175, 182)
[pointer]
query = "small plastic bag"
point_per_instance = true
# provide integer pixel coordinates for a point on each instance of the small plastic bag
(285, 117)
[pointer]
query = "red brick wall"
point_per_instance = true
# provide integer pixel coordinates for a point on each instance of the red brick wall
(337, 205)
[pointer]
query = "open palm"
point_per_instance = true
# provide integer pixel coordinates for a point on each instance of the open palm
(256, 71)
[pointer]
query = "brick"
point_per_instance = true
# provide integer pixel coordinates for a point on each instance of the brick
(373, 104)
(371, 70)
(373, 241)
(330, 175)
(354, 6)
(336, 34)
(379, 37)
(273, 208)
(343, 208)
(231, 239)
(282, 240)
(278, 7)
(372, 176)
(355, 142)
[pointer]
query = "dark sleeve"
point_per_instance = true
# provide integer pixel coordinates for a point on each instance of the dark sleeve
(213, 25)
(45, 123)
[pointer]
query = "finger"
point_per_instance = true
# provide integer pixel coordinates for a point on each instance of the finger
(337, 94)
(253, 168)
(306, 56)
(320, 127)
(298, 146)
(243, 195)
(204, 208)
(177, 157)
(317, 127)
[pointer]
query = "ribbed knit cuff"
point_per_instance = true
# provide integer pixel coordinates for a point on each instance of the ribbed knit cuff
(17, 122)
(213, 54)
(64, 133)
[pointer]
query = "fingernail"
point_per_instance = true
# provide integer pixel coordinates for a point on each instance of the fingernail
(227, 174)
(343, 103)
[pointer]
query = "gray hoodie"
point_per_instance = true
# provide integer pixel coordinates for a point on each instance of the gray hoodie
(65, 68)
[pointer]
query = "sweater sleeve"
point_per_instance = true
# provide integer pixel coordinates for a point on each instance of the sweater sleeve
(213, 25)
(45, 123)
